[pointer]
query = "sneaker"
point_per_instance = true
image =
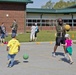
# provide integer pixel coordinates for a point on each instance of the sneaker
(71, 63)
(10, 66)
(53, 54)
(8, 62)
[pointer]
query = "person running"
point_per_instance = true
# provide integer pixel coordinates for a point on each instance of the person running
(60, 36)
(68, 45)
(13, 47)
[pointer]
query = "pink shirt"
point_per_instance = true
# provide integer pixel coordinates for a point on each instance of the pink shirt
(68, 42)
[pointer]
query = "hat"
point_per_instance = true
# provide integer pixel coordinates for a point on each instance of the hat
(13, 35)
(35, 23)
(67, 35)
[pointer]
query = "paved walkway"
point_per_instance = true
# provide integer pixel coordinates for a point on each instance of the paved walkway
(40, 61)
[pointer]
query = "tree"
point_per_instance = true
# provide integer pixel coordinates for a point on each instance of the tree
(70, 3)
(64, 4)
(48, 5)
(59, 5)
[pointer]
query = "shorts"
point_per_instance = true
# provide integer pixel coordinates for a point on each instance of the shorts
(14, 31)
(2, 36)
(69, 50)
(60, 40)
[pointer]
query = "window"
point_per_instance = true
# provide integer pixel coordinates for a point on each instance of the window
(38, 20)
(29, 24)
(34, 20)
(43, 22)
(47, 22)
(74, 22)
(29, 20)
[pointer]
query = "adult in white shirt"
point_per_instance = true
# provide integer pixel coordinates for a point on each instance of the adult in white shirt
(32, 35)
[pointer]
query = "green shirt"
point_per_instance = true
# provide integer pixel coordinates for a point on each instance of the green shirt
(14, 26)
(60, 31)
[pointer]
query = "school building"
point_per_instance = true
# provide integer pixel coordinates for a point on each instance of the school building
(47, 18)
(26, 17)
(13, 9)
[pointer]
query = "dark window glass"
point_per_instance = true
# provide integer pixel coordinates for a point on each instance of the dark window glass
(29, 24)
(38, 20)
(29, 20)
(34, 20)
(43, 20)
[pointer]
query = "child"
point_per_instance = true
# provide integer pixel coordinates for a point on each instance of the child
(13, 47)
(68, 44)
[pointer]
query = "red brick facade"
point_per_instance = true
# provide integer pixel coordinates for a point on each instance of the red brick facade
(10, 11)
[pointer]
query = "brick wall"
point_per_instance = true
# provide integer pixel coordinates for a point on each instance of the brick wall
(10, 11)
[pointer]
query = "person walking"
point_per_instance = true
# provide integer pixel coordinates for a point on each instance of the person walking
(60, 36)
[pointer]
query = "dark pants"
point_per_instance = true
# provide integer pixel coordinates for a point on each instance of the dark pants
(60, 40)
(14, 31)
(35, 34)
(3, 35)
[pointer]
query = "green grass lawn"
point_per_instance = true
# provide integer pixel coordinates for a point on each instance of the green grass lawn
(43, 36)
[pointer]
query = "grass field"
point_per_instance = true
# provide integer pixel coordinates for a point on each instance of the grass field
(43, 36)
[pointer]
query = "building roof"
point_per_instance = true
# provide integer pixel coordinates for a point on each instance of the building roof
(67, 10)
(51, 11)
(17, 1)
(39, 10)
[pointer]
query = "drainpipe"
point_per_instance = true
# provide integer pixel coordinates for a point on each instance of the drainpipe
(72, 21)
(25, 19)
(41, 21)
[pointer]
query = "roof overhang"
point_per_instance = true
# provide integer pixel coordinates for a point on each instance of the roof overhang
(51, 11)
(16, 1)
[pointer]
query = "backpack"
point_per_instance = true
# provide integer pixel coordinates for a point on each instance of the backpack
(37, 31)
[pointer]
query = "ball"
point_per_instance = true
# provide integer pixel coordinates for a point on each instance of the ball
(67, 27)
(25, 56)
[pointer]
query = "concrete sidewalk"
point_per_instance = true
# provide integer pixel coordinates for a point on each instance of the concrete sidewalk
(40, 61)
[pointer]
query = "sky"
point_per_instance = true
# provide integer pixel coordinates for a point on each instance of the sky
(39, 3)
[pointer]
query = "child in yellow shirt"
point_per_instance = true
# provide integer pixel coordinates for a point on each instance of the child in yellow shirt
(13, 47)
